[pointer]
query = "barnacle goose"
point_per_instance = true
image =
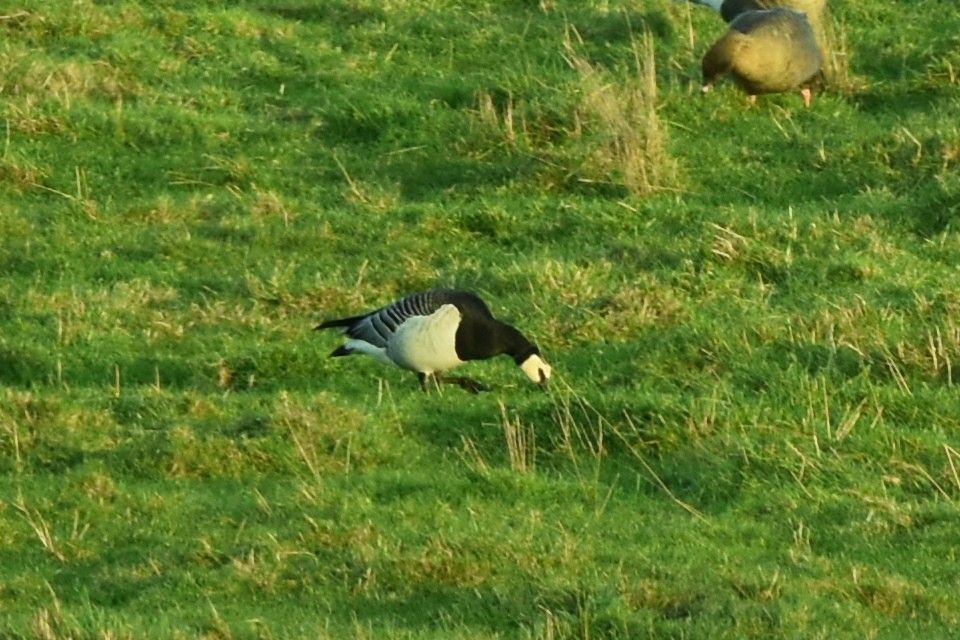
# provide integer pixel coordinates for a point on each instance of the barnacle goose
(432, 331)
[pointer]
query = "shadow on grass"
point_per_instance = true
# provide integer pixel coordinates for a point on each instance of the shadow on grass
(261, 368)
(337, 13)
(928, 210)
(422, 176)
(899, 99)
(639, 446)
(531, 604)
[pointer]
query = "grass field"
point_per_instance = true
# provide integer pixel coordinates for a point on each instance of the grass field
(753, 315)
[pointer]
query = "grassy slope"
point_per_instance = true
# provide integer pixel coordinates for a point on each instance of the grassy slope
(754, 425)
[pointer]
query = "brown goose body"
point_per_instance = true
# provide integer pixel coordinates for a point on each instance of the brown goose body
(766, 51)
(730, 9)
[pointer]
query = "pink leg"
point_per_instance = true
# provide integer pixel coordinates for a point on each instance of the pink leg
(753, 99)
(807, 97)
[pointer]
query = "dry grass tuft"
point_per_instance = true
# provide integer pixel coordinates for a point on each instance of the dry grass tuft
(627, 117)
(20, 176)
(598, 304)
(268, 204)
(39, 525)
(890, 595)
(65, 82)
(501, 121)
(521, 442)
(832, 36)
(27, 116)
(321, 433)
(472, 458)
(581, 428)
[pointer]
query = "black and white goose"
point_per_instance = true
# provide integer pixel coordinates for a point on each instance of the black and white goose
(433, 331)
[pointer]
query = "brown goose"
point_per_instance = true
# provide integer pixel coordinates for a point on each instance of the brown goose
(836, 73)
(730, 9)
(768, 51)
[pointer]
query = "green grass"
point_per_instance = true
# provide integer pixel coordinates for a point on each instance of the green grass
(752, 314)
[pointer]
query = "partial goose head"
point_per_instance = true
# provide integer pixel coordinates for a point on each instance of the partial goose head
(768, 51)
(730, 9)
(433, 331)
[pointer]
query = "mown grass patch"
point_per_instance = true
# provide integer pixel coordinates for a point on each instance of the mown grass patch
(751, 314)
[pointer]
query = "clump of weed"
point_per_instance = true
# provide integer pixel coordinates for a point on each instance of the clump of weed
(832, 37)
(521, 442)
(499, 119)
(626, 117)
(322, 434)
(18, 176)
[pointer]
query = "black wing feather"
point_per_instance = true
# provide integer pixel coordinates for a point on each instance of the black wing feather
(379, 325)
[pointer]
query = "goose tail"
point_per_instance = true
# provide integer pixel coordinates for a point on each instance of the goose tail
(339, 322)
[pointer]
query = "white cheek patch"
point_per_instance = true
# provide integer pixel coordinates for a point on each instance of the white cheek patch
(536, 369)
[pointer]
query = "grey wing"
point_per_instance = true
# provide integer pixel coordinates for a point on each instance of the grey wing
(377, 327)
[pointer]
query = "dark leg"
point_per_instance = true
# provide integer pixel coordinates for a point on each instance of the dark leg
(471, 385)
(424, 381)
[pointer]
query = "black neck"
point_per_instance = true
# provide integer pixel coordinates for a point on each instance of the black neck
(517, 345)
(482, 340)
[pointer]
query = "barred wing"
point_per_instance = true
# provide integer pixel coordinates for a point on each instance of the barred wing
(377, 327)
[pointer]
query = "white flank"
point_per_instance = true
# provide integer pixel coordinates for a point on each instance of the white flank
(427, 343)
(534, 366)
